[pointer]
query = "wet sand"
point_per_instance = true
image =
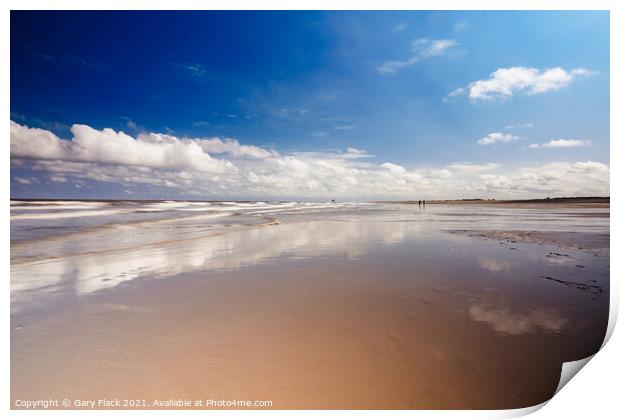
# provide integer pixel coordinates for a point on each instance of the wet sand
(377, 307)
(592, 242)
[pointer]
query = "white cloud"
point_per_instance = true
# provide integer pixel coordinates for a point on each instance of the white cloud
(516, 126)
(493, 138)
(504, 83)
(393, 168)
(214, 145)
(57, 178)
(344, 127)
(421, 49)
(560, 143)
(353, 150)
(23, 181)
(130, 123)
(117, 148)
(472, 167)
(188, 166)
(551, 179)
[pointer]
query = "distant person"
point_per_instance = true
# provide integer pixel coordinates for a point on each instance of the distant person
(419, 203)
(424, 203)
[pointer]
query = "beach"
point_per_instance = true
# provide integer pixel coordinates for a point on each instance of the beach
(305, 305)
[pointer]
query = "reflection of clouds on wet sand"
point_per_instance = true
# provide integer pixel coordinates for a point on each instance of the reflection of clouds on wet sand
(495, 265)
(86, 273)
(504, 319)
(395, 235)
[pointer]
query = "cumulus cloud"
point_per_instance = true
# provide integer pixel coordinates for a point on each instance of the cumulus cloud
(421, 49)
(215, 167)
(493, 138)
(214, 145)
(393, 168)
(472, 167)
(585, 178)
(117, 148)
(560, 143)
(504, 83)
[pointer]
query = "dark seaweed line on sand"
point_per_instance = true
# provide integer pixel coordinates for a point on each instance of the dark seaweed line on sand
(590, 289)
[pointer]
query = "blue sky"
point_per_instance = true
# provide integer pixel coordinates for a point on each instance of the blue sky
(305, 87)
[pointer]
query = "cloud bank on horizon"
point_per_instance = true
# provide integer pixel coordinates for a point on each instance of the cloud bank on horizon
(224, 167)
(360, 106)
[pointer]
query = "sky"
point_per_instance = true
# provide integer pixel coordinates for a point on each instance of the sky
(315, 105)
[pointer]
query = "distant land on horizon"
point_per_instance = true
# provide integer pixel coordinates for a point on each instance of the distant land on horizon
(548, 200)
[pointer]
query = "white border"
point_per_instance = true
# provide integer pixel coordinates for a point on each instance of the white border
(313, 5)
(592, 394)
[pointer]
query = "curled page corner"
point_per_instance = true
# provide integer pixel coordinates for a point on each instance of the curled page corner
(611, 324)
(569, 370)
(520, 412)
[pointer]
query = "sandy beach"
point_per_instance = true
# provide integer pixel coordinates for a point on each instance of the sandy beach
(306, 305)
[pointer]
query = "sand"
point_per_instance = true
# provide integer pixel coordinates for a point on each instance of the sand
(380, 307)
